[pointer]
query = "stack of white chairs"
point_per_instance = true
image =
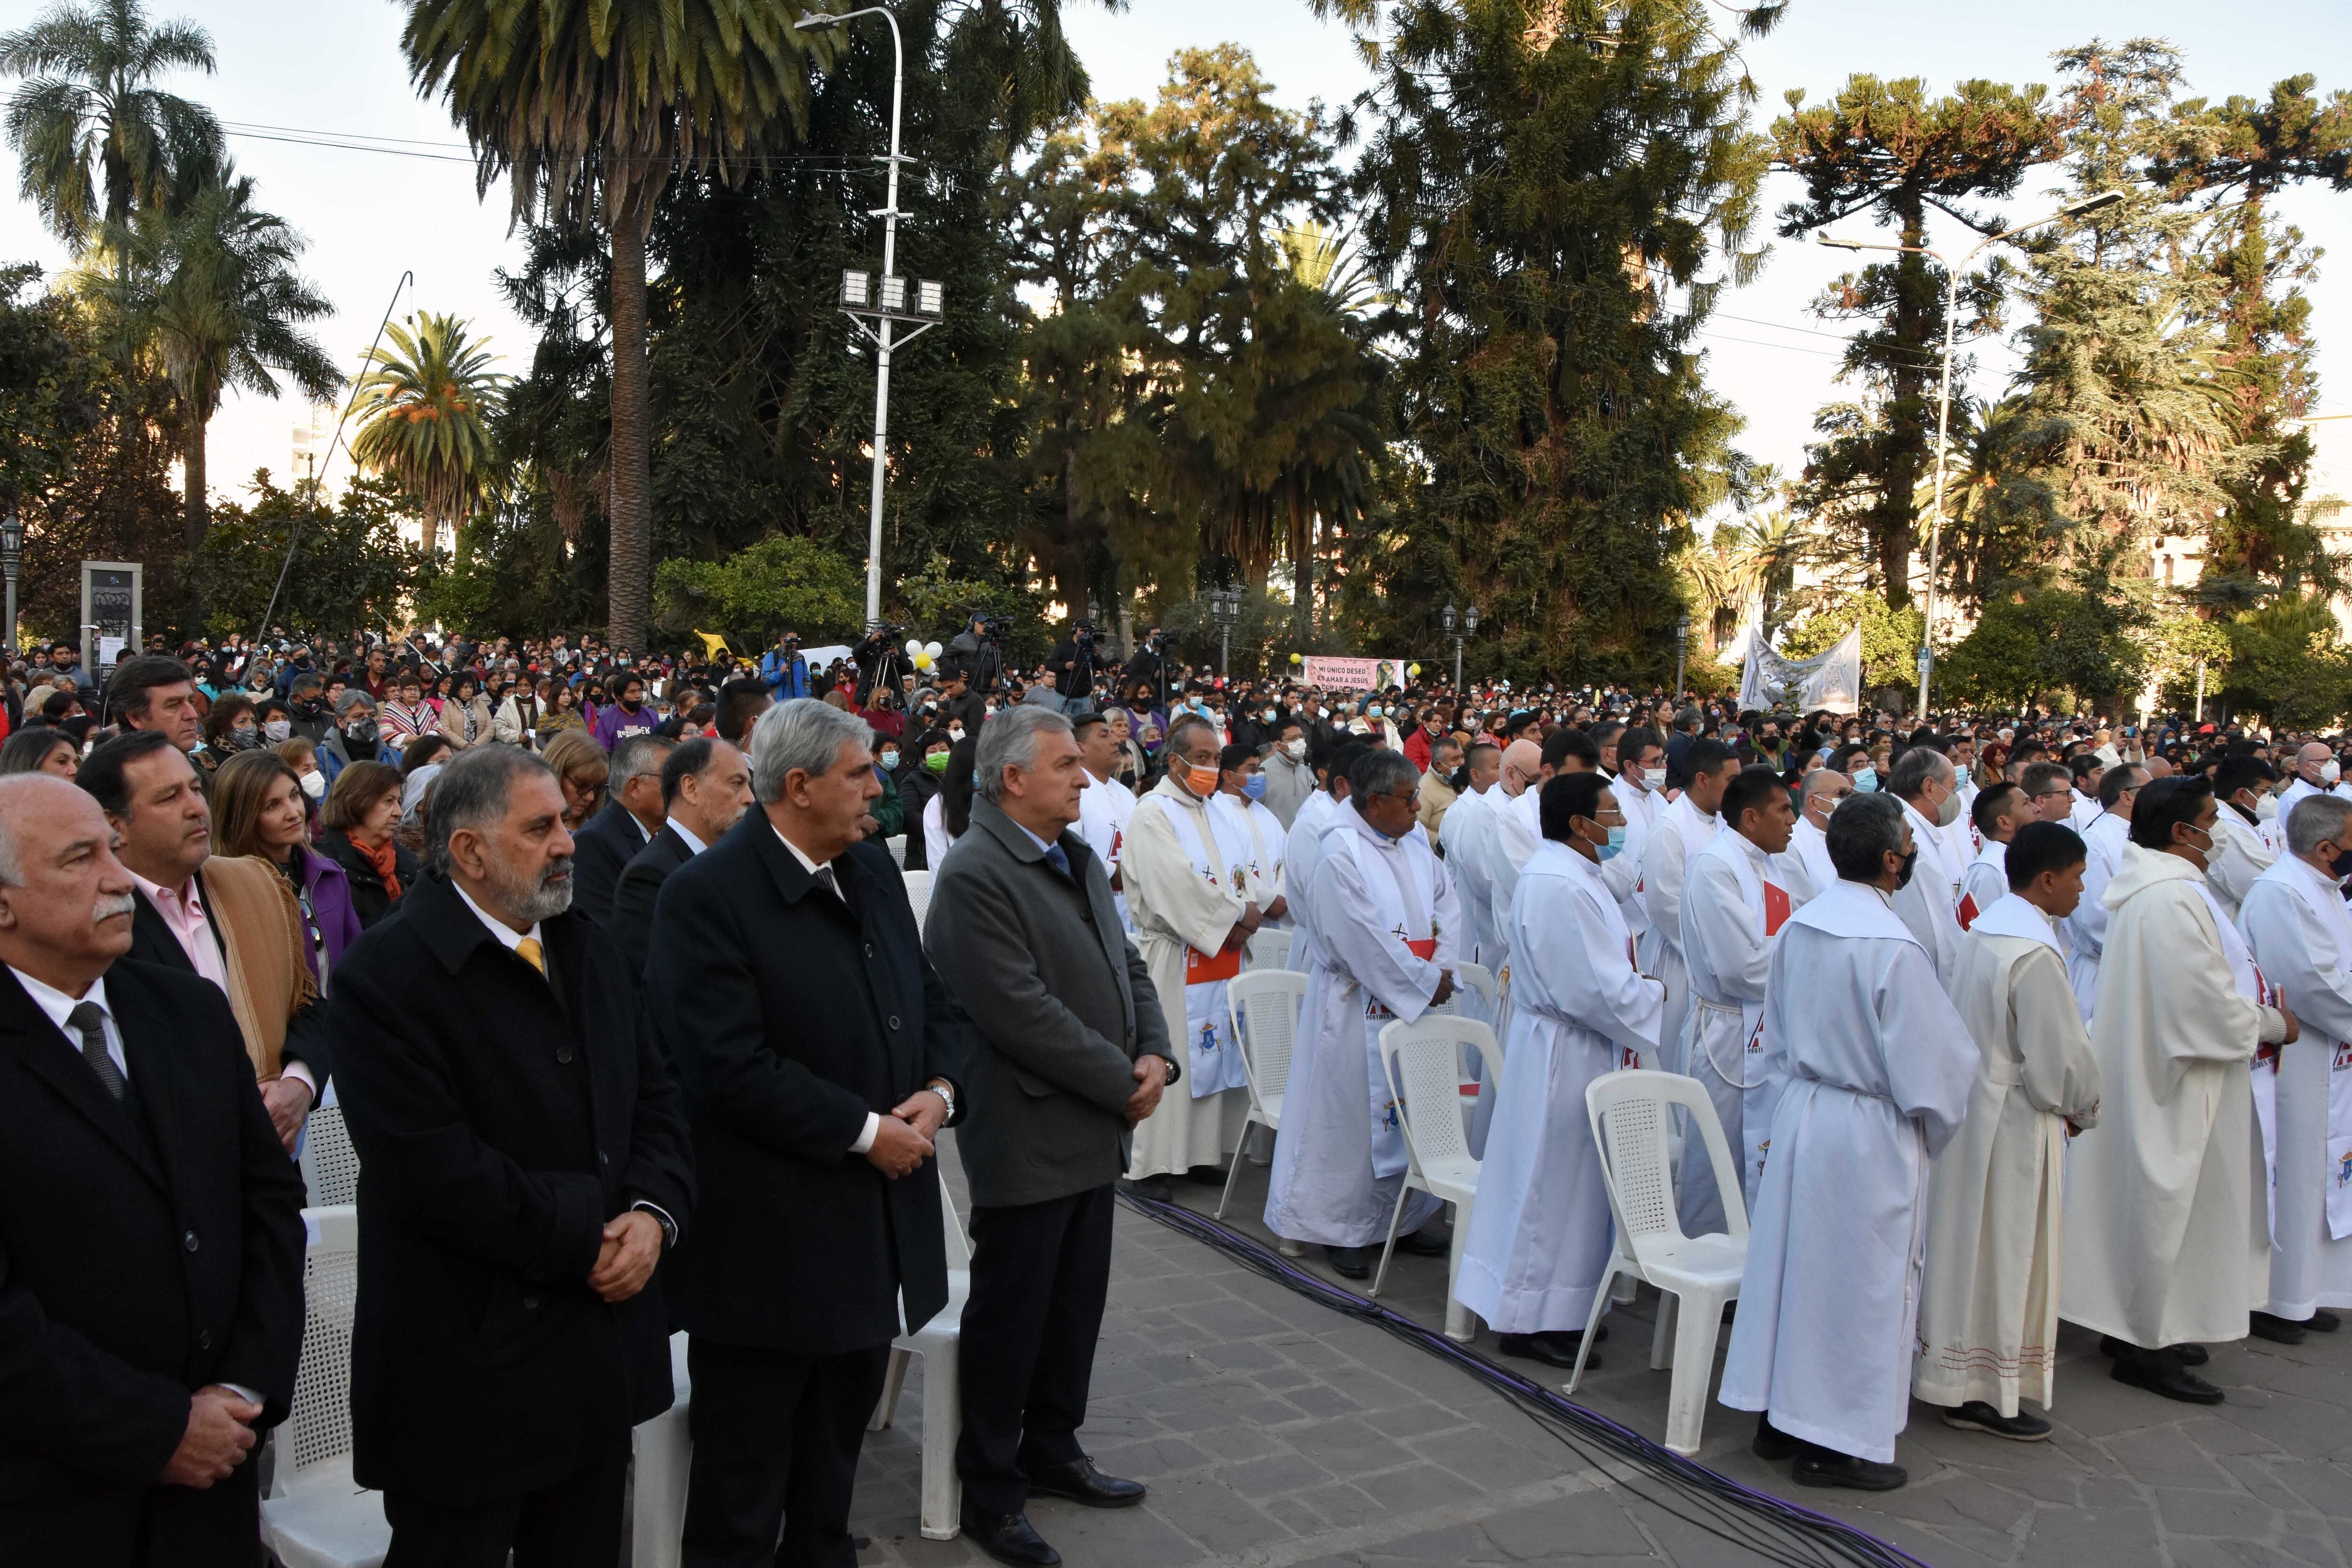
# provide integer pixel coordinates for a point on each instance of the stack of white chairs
(1419, 1059)
(1270, 948)
(316, 1516)
(330, 1166)
(1264, 1005)
(918, 893)
(938, 1343)
(1631, 1111)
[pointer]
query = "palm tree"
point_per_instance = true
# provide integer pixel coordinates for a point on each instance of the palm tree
(423, 416)
(587, 107)
(94, 142)
(212, 292)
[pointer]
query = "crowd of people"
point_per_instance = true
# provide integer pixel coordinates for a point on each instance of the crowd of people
(610, 966)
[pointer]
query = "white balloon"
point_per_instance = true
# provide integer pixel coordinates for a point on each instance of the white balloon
(932, 649)
(913, 646)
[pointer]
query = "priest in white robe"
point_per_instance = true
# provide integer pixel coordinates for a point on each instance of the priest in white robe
(1540, 1233)
(1810, 871)
(1879, 1069)
(1240, 799)
(1684, 829)
(1735, 901)
(2242, 850)
(2104, 839)
(1634, 763)
(2300, 934)
(2316, 772)
(1106, 806)
(1927, 785)
(1385, 922)
(1508, 837)
(1989, 1306)
(1459, 835)
(2168, 1239)
(1304, 847)
(1189, 895)
(2000, 810)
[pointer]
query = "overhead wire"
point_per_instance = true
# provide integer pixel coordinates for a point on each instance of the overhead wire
(1774, 1528)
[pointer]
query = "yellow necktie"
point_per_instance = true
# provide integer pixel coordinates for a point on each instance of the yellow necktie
(529, 952)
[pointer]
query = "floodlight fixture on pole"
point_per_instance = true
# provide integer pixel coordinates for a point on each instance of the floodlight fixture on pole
(883, 299)
(2081, 207)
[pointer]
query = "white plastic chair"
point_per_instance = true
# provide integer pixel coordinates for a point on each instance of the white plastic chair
(897, 844)
(1418, 1060)
(1270, 948)
(939, 1342)
(1631, 1111)
(330, 1166)
(1264, 1005)
(918, 893)
(315, 1515)
(662, 1457)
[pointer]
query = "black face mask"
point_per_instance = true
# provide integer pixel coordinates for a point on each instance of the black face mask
(2341, 866)
(1903, 877)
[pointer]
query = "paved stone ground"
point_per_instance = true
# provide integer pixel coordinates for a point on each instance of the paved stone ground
(1275, 1432)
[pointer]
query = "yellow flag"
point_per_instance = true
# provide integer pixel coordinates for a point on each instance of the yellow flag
(711, 646)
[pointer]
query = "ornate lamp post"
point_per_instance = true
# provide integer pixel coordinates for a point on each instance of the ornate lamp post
(1225, 610)
(1682, 648)
(12, 560)
(1468, 624)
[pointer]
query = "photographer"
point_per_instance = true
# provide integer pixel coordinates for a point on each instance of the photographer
(979, 649)
(877, 659)
(782, 670)
(1073, 664)
(1149, 667)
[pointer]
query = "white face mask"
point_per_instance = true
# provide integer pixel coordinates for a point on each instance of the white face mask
(2329, 772)
(314, 785)
(1298, 748)
(955, 732)
(1649, 779)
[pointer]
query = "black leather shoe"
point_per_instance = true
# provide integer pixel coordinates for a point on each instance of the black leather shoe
(2186, 1354)
(1772, 1445)
(1080, 1483)
(1350, 1262)
(1157, 1188)
(1821, 1468)
(2160, 1371)
(2323, 1322)
(1977, 1416)
(1008, 1538)
(1207, 1175)
(1551, 1349)
(2278, 1331)
(1426, 1243)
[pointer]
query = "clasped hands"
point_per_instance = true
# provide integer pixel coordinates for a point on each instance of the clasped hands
(903, 1139)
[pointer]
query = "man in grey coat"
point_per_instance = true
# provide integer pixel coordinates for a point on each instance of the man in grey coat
(1073, 1054)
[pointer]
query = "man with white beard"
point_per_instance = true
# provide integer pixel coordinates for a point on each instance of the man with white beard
(2000, 810)
(1682, 830)
(2242, 850)
(1925, 781)
(1540, 1233)
(1459, 835)
(1735, 901)
(2102, 841)
(2300, 933)
(1808, 857)
(2167, 1249)
(1879, 1067)
(1386, 924)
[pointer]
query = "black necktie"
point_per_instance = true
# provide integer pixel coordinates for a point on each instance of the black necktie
(88, 1020)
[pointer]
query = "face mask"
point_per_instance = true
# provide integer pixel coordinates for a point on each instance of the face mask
(1269, 715)
(241, 735)
(889, 761)
(955, 732)
(937, 762)
(361, 729)
(2329, 772)
(1202, 781)
(1950, 812)
(2266, 809)
(1616, 844)
(1373, 711)
(314, 785)
(1253, 786)
(1903, 877)
(1651, 779)
(1296, 749)
(1865, 779)
(276, 729)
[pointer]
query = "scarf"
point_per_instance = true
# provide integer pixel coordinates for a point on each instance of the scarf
(385, 859)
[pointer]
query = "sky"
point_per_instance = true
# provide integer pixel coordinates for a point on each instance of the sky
(289, 69)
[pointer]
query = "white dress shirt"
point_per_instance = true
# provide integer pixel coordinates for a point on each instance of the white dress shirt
(60, 1007)
(693, 845)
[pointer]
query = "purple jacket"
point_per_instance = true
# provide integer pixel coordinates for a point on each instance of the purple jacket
(330, 905)
(615, 724)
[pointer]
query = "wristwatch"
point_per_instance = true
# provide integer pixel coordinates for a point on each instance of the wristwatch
(947, 1097)
(1174, 1069)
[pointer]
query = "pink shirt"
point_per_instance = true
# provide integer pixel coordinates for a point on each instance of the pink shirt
(184, 911)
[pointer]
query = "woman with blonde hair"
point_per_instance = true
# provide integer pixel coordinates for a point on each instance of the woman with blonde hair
(362, 813)
(258, 810)
(582, 769)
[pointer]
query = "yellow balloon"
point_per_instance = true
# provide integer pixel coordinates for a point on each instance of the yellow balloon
(923, 661)
(1296, 660)
(1414, 670)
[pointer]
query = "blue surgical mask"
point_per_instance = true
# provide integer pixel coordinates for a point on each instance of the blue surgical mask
(889, 761)
(1373, 711)
(1865, 779)
(1253, 786)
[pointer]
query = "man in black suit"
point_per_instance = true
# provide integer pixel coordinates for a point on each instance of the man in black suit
(155, 803)
(1074, 1052)
(611, 839)
(819, 1055)
(706, 788)
(523, 1166)
(151, 1275)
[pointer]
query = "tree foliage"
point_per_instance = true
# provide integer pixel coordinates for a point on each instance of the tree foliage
(351, 568)
(781, 582)
(424, 414)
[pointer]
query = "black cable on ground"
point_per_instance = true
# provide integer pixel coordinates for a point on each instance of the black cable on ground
(1776, 1530)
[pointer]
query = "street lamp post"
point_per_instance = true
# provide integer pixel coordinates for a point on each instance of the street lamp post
(11, 560)
(1467, 622)
(1953, 271)
(1682, 648)
(1225, 610)
(886, 302)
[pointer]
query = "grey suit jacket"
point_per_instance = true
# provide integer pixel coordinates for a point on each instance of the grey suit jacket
(1064, 1004)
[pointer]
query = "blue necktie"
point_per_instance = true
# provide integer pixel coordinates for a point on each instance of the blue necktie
(1058, 859)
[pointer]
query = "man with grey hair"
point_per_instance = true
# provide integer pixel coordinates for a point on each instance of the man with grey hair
(633, 814)
(527, 1168)
(2300, 934)
(1073, 1054)
(1387, 933)
(1880, 1066)
(1928, 787)
(818, 1054)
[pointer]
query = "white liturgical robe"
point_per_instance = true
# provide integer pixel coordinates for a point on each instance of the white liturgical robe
(1929, 903)
(2300, 934)
(1810, 871)
(1986, 883)
(1506, 842)
(1540, 1233)
(1461, 834)
(2240, 854)
(1105, 808)
(1299, 853)
(1622, 871)
(1734, 904)
(2103, 840)
(1675, 840)
(1386, 923)
(1989, 1306)
(2167, 1238)
(1879, 1068)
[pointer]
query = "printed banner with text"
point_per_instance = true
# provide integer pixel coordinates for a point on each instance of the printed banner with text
(1354, 674)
